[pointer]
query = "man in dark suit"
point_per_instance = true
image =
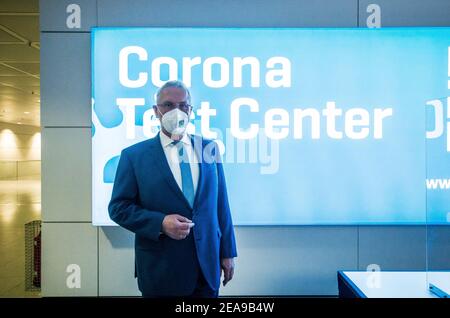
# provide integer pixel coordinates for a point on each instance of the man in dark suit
(170, 191)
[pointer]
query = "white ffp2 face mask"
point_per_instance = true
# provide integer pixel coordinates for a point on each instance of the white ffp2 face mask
(175, 121)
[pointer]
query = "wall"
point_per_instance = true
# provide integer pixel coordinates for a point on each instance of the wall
(19, 142)
(20, 152)
(300, 260)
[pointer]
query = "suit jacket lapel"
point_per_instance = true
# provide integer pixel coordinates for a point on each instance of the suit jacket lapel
(197, 142)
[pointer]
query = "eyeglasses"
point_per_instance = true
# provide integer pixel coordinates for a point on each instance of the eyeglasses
(181, 106)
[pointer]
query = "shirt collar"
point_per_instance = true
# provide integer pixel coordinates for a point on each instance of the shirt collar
(166, 141)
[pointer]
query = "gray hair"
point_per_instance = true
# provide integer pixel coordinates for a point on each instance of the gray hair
(177, 84)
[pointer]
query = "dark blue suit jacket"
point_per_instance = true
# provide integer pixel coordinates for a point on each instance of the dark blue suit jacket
(145, 191)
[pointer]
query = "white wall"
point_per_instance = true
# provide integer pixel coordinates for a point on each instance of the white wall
(20, 152)
(19, 142)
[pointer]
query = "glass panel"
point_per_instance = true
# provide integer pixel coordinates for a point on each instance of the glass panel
(438, 195)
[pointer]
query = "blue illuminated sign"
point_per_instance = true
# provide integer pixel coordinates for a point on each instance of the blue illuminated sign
(316, 126)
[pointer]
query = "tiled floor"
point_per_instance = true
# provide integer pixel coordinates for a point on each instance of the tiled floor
(20, 203)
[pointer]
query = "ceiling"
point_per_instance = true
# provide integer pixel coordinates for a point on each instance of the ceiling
(19, 62)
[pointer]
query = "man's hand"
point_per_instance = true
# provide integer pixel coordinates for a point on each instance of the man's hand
(227, 265)
(176, 226)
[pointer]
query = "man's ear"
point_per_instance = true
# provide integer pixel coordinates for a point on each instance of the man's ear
(155, 110)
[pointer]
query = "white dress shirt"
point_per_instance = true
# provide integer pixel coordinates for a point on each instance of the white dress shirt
(172, 157)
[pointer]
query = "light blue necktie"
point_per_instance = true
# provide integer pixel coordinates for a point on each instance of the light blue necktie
(187, 185)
